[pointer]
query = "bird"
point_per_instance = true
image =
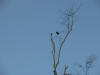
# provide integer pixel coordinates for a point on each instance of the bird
(57, 33)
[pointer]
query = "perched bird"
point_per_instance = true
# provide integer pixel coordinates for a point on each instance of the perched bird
(57, 33)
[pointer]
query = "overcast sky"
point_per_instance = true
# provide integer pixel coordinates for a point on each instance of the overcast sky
(25, 27)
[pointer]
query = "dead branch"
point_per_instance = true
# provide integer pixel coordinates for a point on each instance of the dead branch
(69, 29)
(65, 69)
(89, 63)
(69, 19)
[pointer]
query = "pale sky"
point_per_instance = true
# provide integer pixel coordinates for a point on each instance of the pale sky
(25, 27)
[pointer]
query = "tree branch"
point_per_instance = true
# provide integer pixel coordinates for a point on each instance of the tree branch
(69, 23)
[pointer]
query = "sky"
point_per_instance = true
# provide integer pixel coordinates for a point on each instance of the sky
(25, 27)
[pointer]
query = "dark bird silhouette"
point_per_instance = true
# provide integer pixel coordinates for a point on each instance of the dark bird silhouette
(57, 33)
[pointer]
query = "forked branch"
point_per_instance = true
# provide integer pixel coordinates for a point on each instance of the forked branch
(69, 23)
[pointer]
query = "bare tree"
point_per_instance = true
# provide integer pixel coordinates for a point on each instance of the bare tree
(84, 68)
(69, 21)
(89, 63)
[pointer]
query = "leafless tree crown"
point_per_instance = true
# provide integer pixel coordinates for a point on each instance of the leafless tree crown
(69, 21)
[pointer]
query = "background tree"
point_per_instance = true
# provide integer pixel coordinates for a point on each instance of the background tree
(83, 68)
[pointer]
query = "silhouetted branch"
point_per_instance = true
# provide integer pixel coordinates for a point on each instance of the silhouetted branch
(89, 62)
(69, 23)
(53, 54)
(65, 69)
